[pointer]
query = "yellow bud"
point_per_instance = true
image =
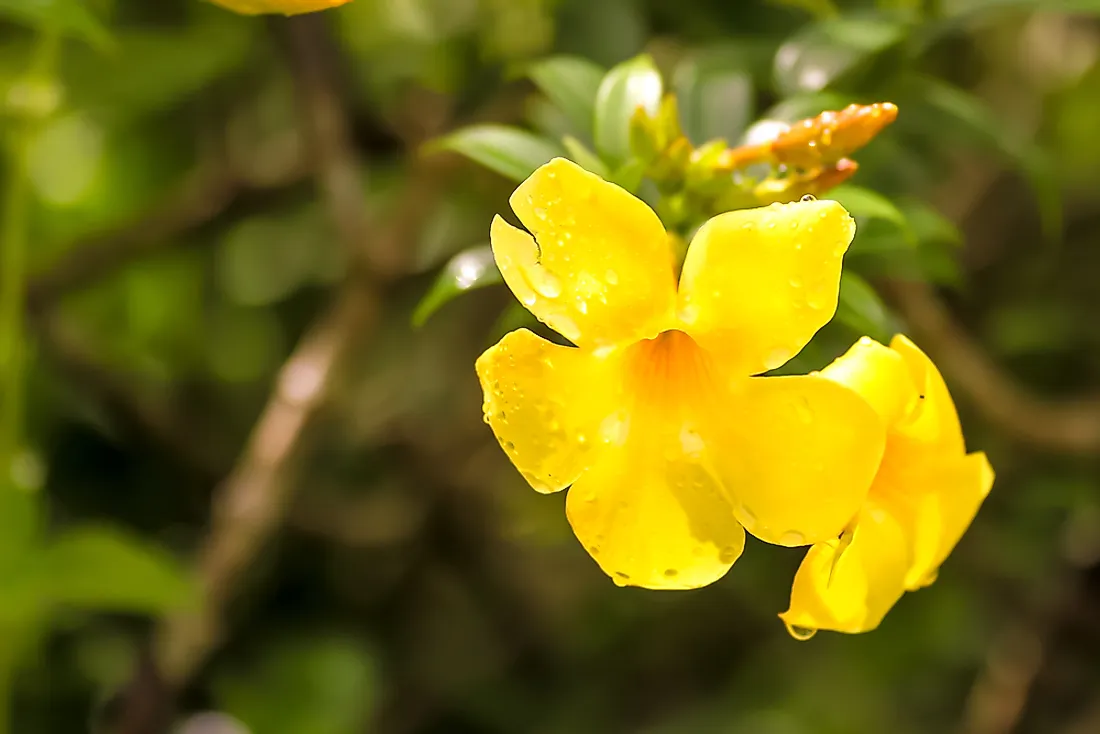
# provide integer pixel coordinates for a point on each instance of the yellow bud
(284, 7)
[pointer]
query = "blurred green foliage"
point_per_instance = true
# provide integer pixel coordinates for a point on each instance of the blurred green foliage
(178, 251)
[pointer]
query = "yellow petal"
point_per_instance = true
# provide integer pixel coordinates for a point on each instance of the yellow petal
(880, 375)
(651, 510)
(848, 584)
(798, 456)
(653, 516)
(758, 283)
(935, 500)
(599, 268)
(545, 403)
(934, 420)
(285, 7)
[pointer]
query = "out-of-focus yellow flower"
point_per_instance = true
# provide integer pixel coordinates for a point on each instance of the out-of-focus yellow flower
(924, 496)
(669, 444)
(284, 7)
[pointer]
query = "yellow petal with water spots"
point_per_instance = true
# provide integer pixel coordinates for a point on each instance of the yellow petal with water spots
(651, 510)
(758, 283)
(599, 268)
(798, 455)
(935, 500)
(881, 377)
(934, 421)
(848, 584)
(545, 403)
(653, 516)
(284, 7)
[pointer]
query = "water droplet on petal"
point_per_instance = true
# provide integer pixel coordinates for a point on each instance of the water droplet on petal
(771, 225)
(611, 277)
(747, 518)
(792, 539)
(691, 442)
(613, 428)
(671, 573)
(800, 633)
(930, 578)
(824, 214)
(689, 313)
(794, 224)
(803, 410)
(620, 578)
(540, 212)
(865, 341)
(529, 299)
(546, 284)
(808, 197)
(566, 327)
(729, 554)
(777, 358)
(796, 283)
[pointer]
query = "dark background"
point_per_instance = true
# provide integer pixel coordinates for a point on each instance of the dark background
(230, 223)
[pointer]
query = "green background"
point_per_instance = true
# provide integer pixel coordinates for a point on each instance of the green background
(230, 224)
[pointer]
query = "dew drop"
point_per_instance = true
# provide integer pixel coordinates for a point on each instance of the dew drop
(808, 197)
(777, 358)
(582, 306)
(621, 579)
(566, 327)
(540, 212)
(800, 633)
(930, 578)
(613, 429)
(794, 225)
(611, 277)
(792, 539)
(803, 410)
(529, 299)
(729, 554)
(771, 225)
(671, 573)
(582, 439)
(865, 341)
(691, 442)
(796, 283)
(747, 518)
(547, 285)
(689, 313)
(748, 226)
(509, 446)
(824, 214)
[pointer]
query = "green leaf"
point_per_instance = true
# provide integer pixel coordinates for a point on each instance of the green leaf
(866, 204)
(585, 158)
(149, 70)
(822, 53)
(861, 309)
(715, 92)
(953, 112)
(571, 83)
(469, 269)
(631, 84)
(629, 175)
(69, 17)
(306, 685)
(101, 568)
(820, 9)
(511, 152)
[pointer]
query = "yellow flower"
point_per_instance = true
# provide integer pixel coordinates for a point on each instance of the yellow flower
(669, 444)
(285, 7)
(924, 496)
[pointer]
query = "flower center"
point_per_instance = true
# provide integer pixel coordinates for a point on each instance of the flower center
(669, 378)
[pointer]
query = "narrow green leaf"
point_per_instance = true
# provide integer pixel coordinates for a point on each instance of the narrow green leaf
(953, 112)
(629, 175)
(585, 158)
(511, 152)
(866, 204)
(571, 83)
(631, 84)
(68, 17)
(821, 53)
(715, 92)
(102, 568)
(469, 269)
(861, 309)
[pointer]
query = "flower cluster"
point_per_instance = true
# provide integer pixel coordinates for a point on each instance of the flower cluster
(673, 442)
